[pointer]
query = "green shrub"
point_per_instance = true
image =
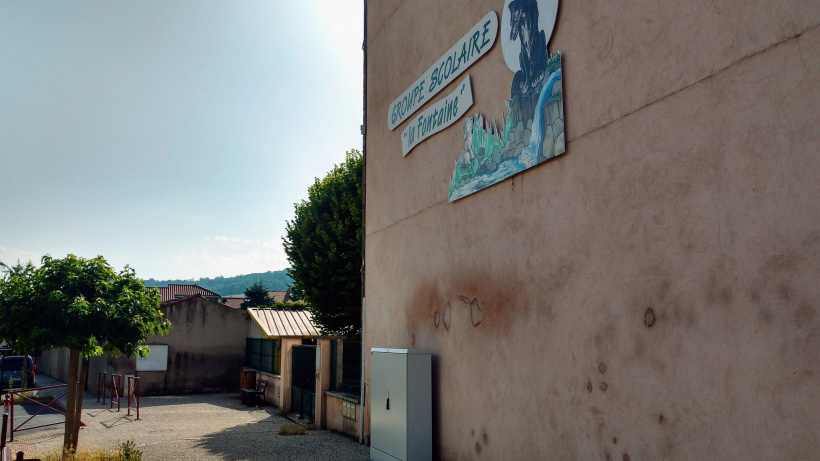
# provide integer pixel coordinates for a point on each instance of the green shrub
(291, 429)
(127, 451)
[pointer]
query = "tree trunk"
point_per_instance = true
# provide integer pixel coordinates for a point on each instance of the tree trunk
(23, 380)
(71, 403)
(78, 411)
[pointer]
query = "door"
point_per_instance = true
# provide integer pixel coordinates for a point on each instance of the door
(303, 381)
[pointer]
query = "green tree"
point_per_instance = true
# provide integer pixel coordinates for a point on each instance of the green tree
(19, 306)
(86, 306)
(323, 243)
(256, 295)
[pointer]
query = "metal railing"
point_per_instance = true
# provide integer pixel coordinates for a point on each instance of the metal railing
(102, 377)
(21, 394)
(116, 385)
(134, 395)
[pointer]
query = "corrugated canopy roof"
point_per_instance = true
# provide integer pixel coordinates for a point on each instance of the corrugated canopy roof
(284, 323)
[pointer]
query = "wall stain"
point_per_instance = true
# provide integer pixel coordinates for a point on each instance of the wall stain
(589, 387)
(615, 440)
(804, 316)
(422, 305)
(595, 410)
(503, 296)
(649, 317)
(727, 295)
(603, 386)
(602, 367)
(785, 292)
(503, 299)
(476, 316)
(765, 316)
(626, 456)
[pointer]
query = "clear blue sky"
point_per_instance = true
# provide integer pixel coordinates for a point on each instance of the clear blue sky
(173, 136)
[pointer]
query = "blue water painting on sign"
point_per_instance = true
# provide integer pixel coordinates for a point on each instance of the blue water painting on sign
(532, 130)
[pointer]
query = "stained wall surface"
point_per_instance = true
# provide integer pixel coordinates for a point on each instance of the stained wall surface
(650, 294)
(206, 351)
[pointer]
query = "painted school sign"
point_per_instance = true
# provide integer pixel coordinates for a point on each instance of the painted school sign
(455, 61)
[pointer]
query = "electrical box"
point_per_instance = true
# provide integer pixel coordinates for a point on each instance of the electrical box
(401, 405)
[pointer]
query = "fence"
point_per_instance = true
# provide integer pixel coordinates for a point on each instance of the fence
(22, 395)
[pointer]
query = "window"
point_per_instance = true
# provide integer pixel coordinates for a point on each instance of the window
(264, 354)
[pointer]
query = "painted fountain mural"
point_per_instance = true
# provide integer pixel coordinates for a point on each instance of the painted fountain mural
(532, 130)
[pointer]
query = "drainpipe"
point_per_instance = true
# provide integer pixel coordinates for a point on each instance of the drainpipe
(364, 211)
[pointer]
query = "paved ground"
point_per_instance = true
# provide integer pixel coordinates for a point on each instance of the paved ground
(196, 427)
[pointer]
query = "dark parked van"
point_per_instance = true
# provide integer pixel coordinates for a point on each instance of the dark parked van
(12, 367)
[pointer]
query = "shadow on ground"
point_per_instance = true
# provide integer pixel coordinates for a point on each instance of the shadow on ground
(261, 440)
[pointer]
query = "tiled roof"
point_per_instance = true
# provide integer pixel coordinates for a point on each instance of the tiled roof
(173, 291)
(234, 301)
(284, 323)
(279, 296)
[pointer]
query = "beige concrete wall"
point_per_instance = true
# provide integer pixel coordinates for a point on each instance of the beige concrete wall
(689, 186)
(322, 382)
(54, 363)
(287, 344)
(273, 392)
(206, 351)
(336, 422)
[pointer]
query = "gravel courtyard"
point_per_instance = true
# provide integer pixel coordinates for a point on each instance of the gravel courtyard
(196, 427)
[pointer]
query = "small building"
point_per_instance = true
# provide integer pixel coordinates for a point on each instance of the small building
(285, 348)
(202, 352)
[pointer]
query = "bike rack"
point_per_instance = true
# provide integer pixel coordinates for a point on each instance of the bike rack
(116, 385)
(134, 394)
(101, 379)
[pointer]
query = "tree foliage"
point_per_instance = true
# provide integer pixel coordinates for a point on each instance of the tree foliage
(84, 305)
(324, 246)
(87, 306)
(256, 295)
(17, 307)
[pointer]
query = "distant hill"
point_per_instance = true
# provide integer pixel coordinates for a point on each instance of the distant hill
(275, 281)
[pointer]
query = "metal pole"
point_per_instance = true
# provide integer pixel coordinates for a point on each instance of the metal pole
(364, 208)
(5, 423)
(11, 435)
(138, 398)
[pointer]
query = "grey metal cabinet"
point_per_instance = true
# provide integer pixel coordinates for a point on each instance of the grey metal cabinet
(401, 412)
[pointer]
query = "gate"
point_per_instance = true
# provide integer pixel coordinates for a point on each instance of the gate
(303, 381)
